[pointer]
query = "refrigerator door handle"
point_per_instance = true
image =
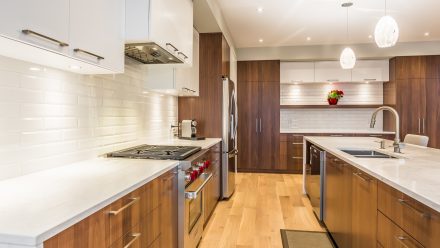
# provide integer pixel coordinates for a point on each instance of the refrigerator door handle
(260, 125)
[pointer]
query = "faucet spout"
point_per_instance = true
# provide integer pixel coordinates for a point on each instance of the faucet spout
(396, 143)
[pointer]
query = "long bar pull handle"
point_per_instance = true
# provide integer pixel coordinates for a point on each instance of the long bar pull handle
(184, 56)
(193, 194)
(256, 125)
(135, 237)
(402, 240)
(419, 125)
(260, 125)
(423, 126)
(171, 45)
(30, 32)
(78, 50)
(132, 201)
(422, 214)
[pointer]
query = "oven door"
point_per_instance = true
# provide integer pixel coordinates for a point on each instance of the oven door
(194, 210)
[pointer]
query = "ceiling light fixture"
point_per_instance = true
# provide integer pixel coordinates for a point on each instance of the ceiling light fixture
(348, 58)
(386, 32)
(426, 34)
(260, 40)
(74, 67)
(370, 36)
(308, 38)
(34, 69)
(260, 10)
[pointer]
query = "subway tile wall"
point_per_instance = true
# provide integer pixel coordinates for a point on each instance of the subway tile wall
(330, 119)
(50, 118)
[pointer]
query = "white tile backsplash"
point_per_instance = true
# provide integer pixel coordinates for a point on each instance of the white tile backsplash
(50, 118)
(333, 119)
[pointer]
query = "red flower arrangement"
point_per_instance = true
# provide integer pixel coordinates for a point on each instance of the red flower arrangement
(334, 95)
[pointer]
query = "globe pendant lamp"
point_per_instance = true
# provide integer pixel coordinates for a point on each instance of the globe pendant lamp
(348, 58)
(386, 32)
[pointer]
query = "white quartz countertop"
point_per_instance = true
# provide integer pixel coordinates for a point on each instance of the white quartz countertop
(416, 172)
(339, 131)
(37, 206)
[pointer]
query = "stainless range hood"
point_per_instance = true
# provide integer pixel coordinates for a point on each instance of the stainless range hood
(150, 53)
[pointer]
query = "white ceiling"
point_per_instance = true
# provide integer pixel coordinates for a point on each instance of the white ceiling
(290, 22)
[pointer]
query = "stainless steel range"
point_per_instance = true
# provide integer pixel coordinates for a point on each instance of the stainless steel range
(194, 173)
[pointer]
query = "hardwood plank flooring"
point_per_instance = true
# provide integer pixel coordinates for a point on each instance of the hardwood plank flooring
(261, 205)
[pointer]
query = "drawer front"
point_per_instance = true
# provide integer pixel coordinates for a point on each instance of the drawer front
(124, 215)
(130, 240)
(389, 235)
(419, 221)
(298, 138)
(150, 228)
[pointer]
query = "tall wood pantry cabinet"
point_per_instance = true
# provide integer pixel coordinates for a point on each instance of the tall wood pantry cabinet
(414, 90)
(258, 89)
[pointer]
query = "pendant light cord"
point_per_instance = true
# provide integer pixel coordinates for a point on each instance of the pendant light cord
(348, 38)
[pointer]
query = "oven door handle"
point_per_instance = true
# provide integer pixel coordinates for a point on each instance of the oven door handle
(193, 194)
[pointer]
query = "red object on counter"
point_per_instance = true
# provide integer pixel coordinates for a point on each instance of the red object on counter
(332, 101)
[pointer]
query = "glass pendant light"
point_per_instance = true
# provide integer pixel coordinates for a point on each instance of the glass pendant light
(348, 58)
(386, 32)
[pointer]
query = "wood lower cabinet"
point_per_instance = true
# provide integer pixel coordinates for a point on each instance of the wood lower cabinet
(364, 210)
(212, 190)
(389, 235)
(419, 221)
(142, 218)
(258, 100)
(337, 197)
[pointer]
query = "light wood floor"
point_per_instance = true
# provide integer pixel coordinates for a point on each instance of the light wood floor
(261, 205)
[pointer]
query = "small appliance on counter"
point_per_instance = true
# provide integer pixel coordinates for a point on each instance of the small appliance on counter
(189, 130)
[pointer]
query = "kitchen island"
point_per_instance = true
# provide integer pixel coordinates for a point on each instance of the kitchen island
(38, 206)
(392, 201)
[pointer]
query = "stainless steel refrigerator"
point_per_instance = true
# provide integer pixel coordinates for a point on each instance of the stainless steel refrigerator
(230, 122)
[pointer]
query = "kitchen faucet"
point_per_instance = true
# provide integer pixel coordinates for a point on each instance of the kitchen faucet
(396, 143)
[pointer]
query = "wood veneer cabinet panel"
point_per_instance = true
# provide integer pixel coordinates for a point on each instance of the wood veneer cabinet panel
(418, 220)
(364, 209)
(207, 107)
(168, 211)
(432, 127)
(389, 235)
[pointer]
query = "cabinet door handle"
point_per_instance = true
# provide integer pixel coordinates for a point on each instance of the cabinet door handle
(256, 125)
(171, 45)
(260, 125)
(359, 175)
(415, 210)
(135, 237)
(332, 80)
(423, 125)
(297, 143)
(30, 32)
(402, 240)
(132, 201)
(375, 135)
(336, 135)
(78, 50)
(370, 79)
(419, 125)
(184, 56)
(188, 89)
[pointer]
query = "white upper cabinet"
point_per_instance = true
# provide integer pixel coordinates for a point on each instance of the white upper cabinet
(43, 23)
(297, 72)
(176, 80)
(97, 32)
(331, 71)
(168, 23)
(77, 35)
(370, 71)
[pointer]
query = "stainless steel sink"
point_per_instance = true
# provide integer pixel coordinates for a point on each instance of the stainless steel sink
(367, 154)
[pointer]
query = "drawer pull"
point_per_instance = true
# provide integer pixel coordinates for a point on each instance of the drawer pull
(365, 179)
(422, 214)
(132, 201)
(297, 157)
(297, 143)
(402, 240)
(77, 50)
(30, 32)
(336, 135)
(135, 237)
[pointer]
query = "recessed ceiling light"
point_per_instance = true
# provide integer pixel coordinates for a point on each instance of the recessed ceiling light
(260, 10)
(370, 36)
(154, 48)
(308, 38)
(161, 95)
(170, 58)
(35, 69)
(260, 40)
(74, 67)
(145, 92)
(426, 33)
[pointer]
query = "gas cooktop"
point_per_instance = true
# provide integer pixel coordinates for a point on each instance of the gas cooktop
(157, 152)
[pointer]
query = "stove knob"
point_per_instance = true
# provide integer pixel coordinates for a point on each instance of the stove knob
(207, 163)
(194, 174)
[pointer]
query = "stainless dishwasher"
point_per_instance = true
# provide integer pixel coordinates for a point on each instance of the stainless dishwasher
(314, 180)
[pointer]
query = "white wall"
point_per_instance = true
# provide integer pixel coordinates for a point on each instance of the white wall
(51, 118)
(332, 52)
